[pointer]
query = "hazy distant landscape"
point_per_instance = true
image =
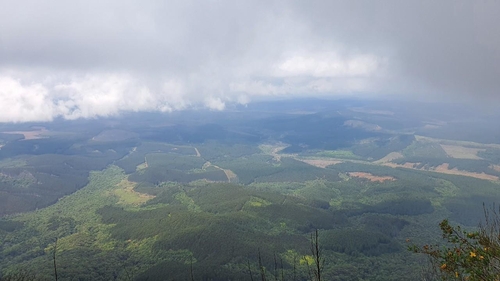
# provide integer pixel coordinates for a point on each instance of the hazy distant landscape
(249, 140)
(149, 195)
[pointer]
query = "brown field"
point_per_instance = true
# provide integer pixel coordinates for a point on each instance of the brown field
(444, 169)
(457, 151)
(321, 163)
(371, 177)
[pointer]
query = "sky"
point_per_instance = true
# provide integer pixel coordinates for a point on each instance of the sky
(84, 59)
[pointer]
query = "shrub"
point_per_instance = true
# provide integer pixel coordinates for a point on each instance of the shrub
(468, 255)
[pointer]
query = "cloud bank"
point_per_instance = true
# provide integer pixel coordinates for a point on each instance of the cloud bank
(83, 59)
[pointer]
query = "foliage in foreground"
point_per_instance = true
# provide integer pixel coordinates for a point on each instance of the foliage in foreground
(468, 255)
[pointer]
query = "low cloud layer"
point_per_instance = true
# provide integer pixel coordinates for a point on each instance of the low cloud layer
(82, 59)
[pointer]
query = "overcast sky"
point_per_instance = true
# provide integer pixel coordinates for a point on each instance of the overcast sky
(90, 58)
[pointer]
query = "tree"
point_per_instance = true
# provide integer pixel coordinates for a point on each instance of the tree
(317, 256)
(468, 255)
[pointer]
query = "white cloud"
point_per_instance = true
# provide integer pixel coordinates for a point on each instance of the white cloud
(215, 104)
(243, 99)
(100, 96)
(85, 96)
(329, 65)
(256, 88)
(24, 102)
(88, 58)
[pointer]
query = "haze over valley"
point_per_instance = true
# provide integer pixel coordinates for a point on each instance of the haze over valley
(244, 140)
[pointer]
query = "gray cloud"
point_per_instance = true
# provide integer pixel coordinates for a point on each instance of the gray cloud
(97, 58)
(450, 47)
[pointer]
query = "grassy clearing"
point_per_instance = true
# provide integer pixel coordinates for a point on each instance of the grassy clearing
(457, 143)
(343, 154)
(257, 202)
(424, 149)
(231, 176)
(273, 150)
(11, 163)
(320, 163)
(187, 201)
(128, 196)
(462, 152)
(389, 157)
(446, 188)
(142, 166)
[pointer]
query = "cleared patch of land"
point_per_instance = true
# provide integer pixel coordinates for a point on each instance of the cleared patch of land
(371, 177)
(462, 152)
(444, 169)
(458, 143)
(142, 166)
(197, 152)
(12, 163)
(128, 196)
(231, 176)
(321, 163)
(273, 150)
(342, 154)
(362, 124)
(31, 135)
(389, 157)
(495, 167)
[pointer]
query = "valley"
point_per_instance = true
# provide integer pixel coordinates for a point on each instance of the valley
(142, 201)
